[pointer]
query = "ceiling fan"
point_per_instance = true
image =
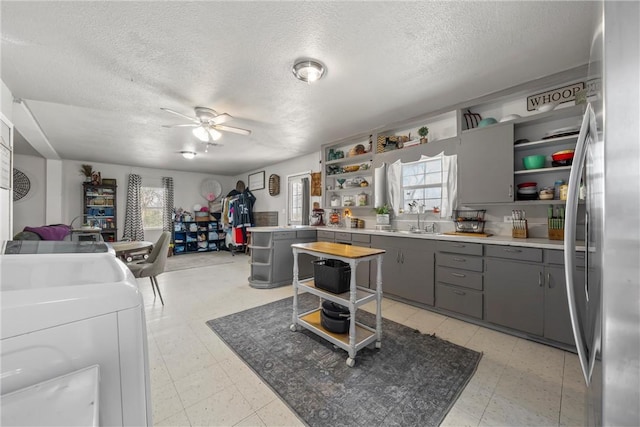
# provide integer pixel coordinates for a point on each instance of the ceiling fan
(207, 124)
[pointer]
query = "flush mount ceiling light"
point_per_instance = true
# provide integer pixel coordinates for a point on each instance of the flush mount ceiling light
(308, 70)
(188, 154)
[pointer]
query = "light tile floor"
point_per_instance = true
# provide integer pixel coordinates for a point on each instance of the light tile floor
(197, 380)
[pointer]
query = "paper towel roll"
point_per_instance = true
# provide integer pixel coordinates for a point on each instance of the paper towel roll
(380, 180)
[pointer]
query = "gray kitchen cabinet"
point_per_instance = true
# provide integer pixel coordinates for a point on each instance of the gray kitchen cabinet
(485, 165)
(408, 270)
(459, 278)
(390, 262)
(514, 294)
(557, 321)
(363, 269)
(326, 236)
(272, 257)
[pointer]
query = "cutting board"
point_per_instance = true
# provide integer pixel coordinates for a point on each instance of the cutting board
(455, 233)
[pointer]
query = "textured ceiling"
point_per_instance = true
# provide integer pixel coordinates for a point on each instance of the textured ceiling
(95, 74)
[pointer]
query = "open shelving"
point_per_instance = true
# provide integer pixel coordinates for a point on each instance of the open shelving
(197, 236)
(100, 209)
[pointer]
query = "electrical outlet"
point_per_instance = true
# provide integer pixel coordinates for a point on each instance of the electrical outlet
(507, 218)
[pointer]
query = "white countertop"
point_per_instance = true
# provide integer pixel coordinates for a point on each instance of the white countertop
(491, 240)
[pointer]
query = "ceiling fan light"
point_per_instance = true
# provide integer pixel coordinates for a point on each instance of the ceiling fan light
(201, 133)
(308, 70)
(188, 154)
(215, 135)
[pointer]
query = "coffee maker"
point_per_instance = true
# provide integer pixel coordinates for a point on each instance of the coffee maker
(317, 217)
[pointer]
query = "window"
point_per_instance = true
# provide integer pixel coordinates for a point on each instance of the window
(422, 183)
(152, 204)
(298, 199)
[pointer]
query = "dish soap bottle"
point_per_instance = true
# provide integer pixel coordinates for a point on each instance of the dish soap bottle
(556, 189)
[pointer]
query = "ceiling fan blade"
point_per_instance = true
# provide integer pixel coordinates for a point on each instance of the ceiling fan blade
(181, 115)
(232, 129)
(189, 125)
(221, 118)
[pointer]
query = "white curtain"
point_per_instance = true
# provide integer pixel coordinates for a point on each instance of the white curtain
(394, 186)
(450, 181)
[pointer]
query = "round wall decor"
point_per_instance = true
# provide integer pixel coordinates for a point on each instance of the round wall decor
(210, 189)
(21, 185)
(274, 185)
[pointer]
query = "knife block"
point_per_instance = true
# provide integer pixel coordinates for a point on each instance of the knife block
(556, 234)
(521, 233)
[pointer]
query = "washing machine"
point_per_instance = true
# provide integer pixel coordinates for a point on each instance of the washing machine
(72, 323)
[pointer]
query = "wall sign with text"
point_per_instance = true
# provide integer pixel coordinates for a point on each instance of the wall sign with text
(556, 96)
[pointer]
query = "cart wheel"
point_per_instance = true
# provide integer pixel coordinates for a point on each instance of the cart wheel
(351, 362)
(293, 327)
(378, 344)
(129, 259)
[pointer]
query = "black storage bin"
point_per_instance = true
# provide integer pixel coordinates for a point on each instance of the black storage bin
(334, 317)
(332, 275)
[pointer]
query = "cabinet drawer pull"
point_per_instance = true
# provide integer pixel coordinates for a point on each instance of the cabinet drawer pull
(459, 292)
(458, 245)
(549, 280)
(510, 194)
(458, 275)
(540, 279)
(459, 259)
(513, 250)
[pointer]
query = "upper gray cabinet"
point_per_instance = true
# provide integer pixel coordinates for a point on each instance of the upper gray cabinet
(485, 165)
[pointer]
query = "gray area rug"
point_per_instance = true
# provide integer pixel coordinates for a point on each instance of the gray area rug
(413, 380)
(196, 260)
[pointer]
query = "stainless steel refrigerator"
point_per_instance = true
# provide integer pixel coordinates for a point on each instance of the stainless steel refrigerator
(605, 307)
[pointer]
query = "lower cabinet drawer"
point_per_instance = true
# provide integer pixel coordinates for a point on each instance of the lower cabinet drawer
(362, 238)
(326, 235)
(306, 234)
(512, 252)
(465, 262)
(459, 277)
(463, 301)
(343, 237)
(283, 235)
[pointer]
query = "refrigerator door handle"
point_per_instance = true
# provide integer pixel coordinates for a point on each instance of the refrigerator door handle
(570, 238)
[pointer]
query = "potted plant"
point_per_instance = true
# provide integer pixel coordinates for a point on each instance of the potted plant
(382, 215)
(87, 171)
(423, 132)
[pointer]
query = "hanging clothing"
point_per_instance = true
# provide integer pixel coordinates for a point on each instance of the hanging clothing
(243, 210)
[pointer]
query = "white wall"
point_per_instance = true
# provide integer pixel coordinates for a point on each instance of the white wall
(30, 210)
(6, 105)
(6, 101)
(186, 187)
(265, 202)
